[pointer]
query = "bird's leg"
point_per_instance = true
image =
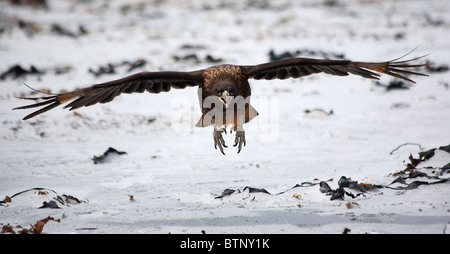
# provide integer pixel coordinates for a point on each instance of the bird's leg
(218, 139)
(240, 137)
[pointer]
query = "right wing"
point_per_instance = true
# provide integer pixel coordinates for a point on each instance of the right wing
(153, 82)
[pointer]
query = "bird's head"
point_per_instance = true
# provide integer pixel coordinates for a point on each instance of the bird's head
(226, 92)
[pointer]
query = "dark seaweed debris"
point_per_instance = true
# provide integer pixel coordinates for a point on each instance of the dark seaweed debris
(406, 180)
(228, 192)
(32, 28)
(327, 113)
(101, 158)
(110, 68)
(194, 58)
(50, 204)
(33, 3)
(60, 30)
(394, 85)
(343, 182)
(415, 184)
(304, 53)
(225, 193)
(35, 229)
(18, 71)
(53, 198)
(433, 68)
(423, 156)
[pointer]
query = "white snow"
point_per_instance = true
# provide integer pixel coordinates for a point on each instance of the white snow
(172, 169)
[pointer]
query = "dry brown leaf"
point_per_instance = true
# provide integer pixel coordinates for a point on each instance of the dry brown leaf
(297, 195)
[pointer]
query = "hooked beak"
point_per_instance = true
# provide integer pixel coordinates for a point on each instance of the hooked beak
(226, 98)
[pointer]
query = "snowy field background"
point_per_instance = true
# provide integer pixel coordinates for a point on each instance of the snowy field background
(170, 176)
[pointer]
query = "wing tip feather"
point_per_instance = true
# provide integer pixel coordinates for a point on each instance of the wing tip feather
(42, 110)
(394, 68)
(52, 100)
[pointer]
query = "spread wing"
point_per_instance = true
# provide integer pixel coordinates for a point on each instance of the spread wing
(153, 82)
(300, 67)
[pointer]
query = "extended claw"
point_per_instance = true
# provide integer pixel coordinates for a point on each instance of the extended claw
(239, 140)
(218, 139)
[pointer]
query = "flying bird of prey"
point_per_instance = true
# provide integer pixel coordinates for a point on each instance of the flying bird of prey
(224, 90)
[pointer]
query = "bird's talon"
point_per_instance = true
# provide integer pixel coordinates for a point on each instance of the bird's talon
(218, 140)
(239, 140)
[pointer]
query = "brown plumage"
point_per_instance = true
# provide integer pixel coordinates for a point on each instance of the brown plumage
(223, 86)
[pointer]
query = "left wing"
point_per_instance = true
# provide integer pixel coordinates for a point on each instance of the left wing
(300, 67)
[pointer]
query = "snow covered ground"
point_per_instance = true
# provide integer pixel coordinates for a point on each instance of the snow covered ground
(170, 177)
